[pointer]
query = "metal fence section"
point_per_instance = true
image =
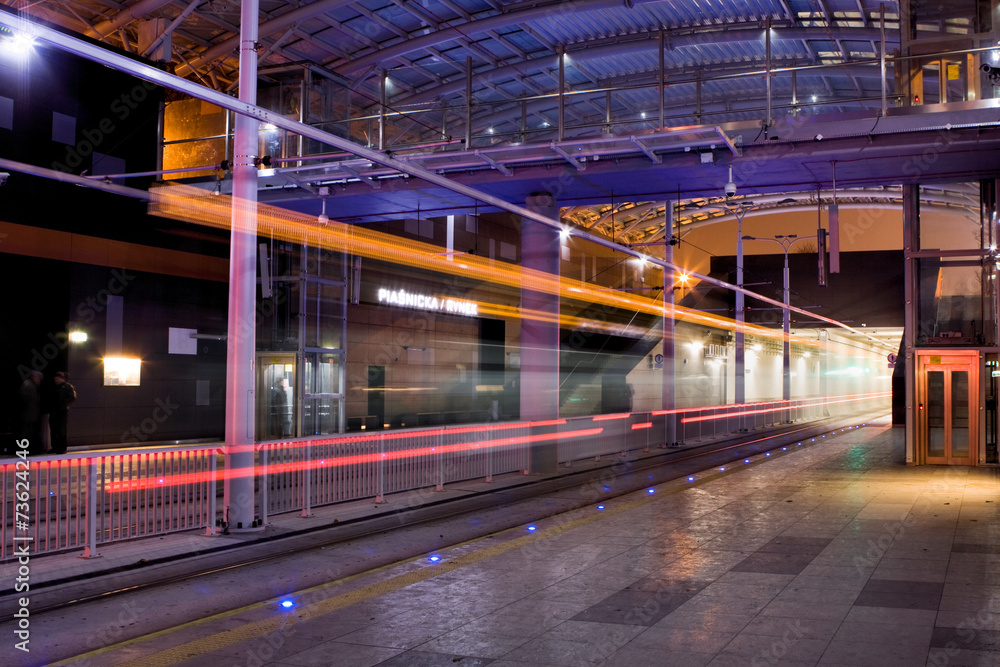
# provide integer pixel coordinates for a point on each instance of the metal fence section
(87, 499)
(303, 473)
(80, 501)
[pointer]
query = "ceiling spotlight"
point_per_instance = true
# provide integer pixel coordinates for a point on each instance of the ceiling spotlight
(818, 137)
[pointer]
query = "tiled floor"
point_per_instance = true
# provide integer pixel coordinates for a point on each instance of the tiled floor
(835, 554)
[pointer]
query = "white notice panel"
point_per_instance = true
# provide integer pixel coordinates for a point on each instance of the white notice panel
(181, 341)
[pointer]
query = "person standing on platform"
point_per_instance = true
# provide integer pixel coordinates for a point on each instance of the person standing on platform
(63, 396)
(281, 409)
(30, 395)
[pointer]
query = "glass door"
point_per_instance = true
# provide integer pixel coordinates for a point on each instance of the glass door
(947, 399)
(276, 396)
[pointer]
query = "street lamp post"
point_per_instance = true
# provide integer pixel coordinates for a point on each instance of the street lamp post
(786, 242)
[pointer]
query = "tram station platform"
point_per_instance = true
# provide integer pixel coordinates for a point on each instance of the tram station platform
(829, 553)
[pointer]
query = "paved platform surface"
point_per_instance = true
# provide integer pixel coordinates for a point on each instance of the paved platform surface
(133, 561)
(833, 554)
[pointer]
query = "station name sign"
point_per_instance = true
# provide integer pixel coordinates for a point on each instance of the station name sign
(428, 302)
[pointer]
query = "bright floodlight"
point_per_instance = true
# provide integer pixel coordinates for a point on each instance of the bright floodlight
(20, 43)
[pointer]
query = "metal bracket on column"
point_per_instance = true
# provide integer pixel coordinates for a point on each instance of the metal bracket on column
(374, 182)
(729, 142)
(566, 156)
(499, 166)
(650, 153)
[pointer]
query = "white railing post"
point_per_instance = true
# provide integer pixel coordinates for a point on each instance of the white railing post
(440, 464)
(212, 468)
(380, 471)
(489, 460)
(306, 482)
(90, 551)
(647, 430)
(265, 485)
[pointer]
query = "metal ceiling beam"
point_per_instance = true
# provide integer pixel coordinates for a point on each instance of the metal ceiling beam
(267, 28)
(149, 73)
(723, 34)
(374, 182)
(134, 12)
(493, 162)
(63, 177)
(651, 154)
(467, 30)
(560, 151)
(551, 60)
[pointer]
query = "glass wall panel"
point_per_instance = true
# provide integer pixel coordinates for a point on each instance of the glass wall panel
(960, 414)
(324, 318)
(935, 413)
(949, 217)
(951, 302)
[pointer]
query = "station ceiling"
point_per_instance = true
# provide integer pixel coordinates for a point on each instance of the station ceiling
(600, 146)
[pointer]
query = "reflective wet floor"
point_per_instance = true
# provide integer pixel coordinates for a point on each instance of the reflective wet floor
(832, 553)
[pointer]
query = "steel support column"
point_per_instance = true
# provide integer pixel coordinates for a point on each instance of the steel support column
(238, 494)
(739, 381)
(911, 244)
(540, 339)
(561, 126)
(669, 401)
(786, 348)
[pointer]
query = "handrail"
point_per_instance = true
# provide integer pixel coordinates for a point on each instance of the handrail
(87, 499)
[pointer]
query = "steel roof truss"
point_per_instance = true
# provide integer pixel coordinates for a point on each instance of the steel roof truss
(499, 166)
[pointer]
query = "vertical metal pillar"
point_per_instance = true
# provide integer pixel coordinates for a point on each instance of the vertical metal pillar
(824, 367)
(524, 120)
(90, 548)
(697, 96)
(767, 56)
(539, 377)
(942, 81)
(662, 77)
(562, 98)
(383, 75)
(304, 92)
(607, 112)
(468, 102)
(786, 351)
(238, 493)
(911, 244)
(668, 397)
(739, 389)
(881, 56)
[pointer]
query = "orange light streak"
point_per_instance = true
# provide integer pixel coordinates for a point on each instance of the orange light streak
(200, 207)
(636, 427)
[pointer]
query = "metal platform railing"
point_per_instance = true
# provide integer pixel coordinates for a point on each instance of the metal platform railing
(55, 503)
(83, 500)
